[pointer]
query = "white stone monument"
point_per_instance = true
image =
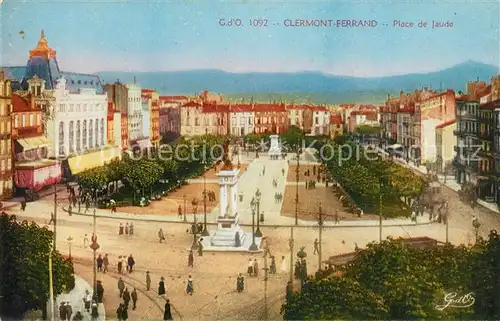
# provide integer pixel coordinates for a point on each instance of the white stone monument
(229, 236)
(275, 147)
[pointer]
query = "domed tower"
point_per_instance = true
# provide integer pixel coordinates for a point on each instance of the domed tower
(42, 63)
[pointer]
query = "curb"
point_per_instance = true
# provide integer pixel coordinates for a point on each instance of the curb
(138, 218)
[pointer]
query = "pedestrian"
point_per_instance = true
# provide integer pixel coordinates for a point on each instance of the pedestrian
(120, 264)
(99, 262)
(125, 313)
(133, 295)
(120, 229)
(87, 299)
(337, 220)
(23, 205)
(283, 265)
(126, 228)
(119, 312)
(126, 297)
(250, 267)
(161, 236)
(161, 287)
(167, 315)
(240, 283)
(130, 263)
(62, 311)
(255, 267)
(70, 210)
(316, 245)
(283, 172)
(100, 291)
(95, 312)
(121, 286)
(69, 310)
(85, 241)
(105, 262)
(179, 212)
(272, 267)
(191, 259)
(131, 229)
(356, 247)
(189, 286)
(200, 247)
(148, 281)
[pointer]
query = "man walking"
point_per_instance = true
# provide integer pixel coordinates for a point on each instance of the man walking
(130, 263)
(148, 281)
(126, 297)
(316, 247)
(121, 286)
(105, 262)
(134, 299)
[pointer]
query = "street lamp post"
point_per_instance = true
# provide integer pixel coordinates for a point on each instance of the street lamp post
(253, 247)
(70, 241)
(184, 198)
(195, 244)
(297, 188)
(94, 245)
(258, 233)
(205, 231)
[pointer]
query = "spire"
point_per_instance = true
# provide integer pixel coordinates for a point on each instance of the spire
(42, 49)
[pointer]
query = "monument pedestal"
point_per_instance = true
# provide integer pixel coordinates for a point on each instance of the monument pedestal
(229, 236)
(274, 148)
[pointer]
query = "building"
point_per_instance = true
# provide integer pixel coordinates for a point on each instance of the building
(362, 117)
(134, 112)
(146, 118)
(296, 116)
(169, 113)
(270, 118)
(191, 116)
(118, 94)
(74, 105)
(152, 100)
(32, 169)
(124, 131)
(445, 140)
(114, 126)
(5, 138)
(241, 118)
(467, 114)
(336, 126)
(216, 118)
(321, 120)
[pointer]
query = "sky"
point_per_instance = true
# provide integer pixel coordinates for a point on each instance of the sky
(146, 35)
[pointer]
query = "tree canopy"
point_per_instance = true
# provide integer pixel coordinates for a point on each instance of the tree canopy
(24, 264)
(391, 281)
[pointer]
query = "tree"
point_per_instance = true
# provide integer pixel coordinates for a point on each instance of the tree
(367, 130)
(334, 299)
(25, 263)
(94, 179)
(293, 137)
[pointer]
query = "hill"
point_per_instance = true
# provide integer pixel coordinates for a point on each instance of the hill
(332, 88)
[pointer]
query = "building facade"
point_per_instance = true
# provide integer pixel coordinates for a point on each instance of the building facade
(445, 139)
(33, 170)
(134, 112)
(467, 145)
(241, 119)
(270, 118)
(336, 126)
(5, 138)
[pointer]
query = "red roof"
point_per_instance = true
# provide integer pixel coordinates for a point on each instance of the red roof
(336, 119)
(173, 98)
(191, 104)
(20, 104)
(241, 108)
(269, 107)
(215, 108)
(446, 123)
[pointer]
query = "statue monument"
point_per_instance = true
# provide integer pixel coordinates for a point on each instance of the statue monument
(228, 236)
(274, 148)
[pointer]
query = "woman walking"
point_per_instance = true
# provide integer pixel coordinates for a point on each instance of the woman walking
(189, 286)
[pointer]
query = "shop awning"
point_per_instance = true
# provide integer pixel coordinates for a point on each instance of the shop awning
(81, 163)
(33, 142)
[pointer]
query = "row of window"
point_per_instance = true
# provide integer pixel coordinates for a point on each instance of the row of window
(4, 125)
(27, 120)
(80, 107)
(5, 164)
(5, 147)
(79, 136)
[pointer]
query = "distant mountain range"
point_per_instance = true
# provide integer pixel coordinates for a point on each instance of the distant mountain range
(332, 88)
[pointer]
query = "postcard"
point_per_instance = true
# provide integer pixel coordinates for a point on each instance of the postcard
(249, 160)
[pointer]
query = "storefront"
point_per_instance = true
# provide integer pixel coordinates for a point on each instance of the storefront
(36, 175)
